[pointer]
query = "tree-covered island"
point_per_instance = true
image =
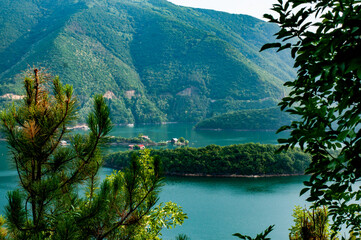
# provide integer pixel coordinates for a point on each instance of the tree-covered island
(248, 119)
(234, 160)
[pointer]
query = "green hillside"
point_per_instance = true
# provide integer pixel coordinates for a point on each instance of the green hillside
(160, 62)
(250, 119)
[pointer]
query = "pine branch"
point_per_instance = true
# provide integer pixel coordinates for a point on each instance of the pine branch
(120, 223)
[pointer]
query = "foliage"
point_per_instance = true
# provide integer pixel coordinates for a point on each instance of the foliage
(48, 205)
(119, 140)
(254, 119)
(149, 220)
(182, 64)
(310, 224)
(242, 159)
(166, 215)
(260, 236)
(119, 113)
(3, 230)
(326, 95)
(145, 111)
(182, 237)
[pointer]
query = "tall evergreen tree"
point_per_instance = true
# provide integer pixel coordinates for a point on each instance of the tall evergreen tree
(48, 204)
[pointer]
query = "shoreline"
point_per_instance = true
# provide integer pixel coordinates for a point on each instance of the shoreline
(232, 175)
(169, 174)
(234, 129)
(84, 126)
(131, 124)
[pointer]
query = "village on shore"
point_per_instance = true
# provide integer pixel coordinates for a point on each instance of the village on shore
(133, 143)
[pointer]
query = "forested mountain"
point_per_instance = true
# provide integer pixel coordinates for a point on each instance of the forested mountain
(248, 119)
(155, 61)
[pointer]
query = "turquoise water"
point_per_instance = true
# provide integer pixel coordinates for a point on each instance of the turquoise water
(219, 207)
(8, 176)
(196, 138)
(216, 207)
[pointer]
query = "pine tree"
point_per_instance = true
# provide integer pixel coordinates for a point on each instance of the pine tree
(52, 202)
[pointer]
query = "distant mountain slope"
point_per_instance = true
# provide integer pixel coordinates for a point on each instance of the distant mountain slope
(250, 119)
(161, 62)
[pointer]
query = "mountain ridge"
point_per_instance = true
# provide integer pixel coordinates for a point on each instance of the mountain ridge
(162, 62)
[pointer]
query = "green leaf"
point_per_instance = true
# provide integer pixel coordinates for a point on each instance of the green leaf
(270, 45)
(341, 136)
(359, 73)
(304, 190)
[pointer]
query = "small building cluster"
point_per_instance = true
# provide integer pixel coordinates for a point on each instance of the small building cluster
(136, 147)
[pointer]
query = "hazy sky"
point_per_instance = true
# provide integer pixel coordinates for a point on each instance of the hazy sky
(255, 8)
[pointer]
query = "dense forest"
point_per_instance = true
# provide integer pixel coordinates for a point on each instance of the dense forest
(240, 159)
(154, 61)
(252, 119)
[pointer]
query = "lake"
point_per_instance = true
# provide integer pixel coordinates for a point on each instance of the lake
(216, 207)
(198, 138)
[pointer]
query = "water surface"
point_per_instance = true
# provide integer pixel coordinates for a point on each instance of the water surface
(216, 207)
(199, 138)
